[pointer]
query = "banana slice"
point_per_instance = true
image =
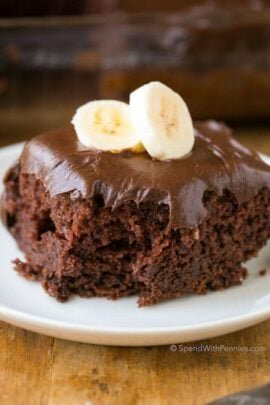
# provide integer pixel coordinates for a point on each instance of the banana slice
(106, 125)
(162, 121)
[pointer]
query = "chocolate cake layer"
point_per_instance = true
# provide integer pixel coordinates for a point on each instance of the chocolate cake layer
(101, 224)
(217, 162)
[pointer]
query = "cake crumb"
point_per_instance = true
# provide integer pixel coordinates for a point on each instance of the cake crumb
(196, 234)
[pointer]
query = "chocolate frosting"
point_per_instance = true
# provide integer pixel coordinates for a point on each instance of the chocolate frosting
(217, 162)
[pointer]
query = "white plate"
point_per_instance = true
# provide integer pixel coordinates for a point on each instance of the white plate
(98, 320)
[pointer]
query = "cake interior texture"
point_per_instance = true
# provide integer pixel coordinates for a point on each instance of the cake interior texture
(78, 242)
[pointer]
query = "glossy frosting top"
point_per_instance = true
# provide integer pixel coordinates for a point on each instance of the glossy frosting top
(217, 162)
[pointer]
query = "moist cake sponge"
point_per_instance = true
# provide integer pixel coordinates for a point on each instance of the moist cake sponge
(95, 223)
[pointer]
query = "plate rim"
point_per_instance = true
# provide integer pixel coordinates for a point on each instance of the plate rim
(252, 315)
(130, 337)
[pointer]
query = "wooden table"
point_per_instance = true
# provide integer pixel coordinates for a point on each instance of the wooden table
(41, 370)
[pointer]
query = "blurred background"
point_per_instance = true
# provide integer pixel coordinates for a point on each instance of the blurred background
(58, 54)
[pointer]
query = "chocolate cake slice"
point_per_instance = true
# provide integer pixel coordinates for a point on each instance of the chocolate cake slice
(97, 223)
